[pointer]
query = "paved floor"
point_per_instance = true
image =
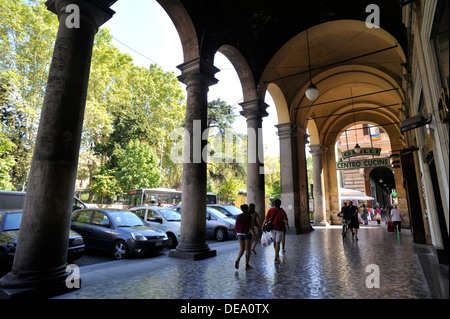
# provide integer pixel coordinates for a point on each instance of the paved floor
(318, 265)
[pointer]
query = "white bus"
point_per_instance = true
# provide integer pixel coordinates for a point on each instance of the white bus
(160, 196)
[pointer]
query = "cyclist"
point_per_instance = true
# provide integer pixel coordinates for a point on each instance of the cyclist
(351, 214)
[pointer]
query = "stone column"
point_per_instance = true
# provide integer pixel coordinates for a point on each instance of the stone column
(319, 211)
(40, 260)
(302, 223)
(254, 111)
(198, 75)
(287, 133)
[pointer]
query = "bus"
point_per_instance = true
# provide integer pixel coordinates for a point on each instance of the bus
(160, 196)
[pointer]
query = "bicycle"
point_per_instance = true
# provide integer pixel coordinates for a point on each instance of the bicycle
(345, 223)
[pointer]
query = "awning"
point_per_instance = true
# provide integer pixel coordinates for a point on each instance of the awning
(352, 194)
(356, 197)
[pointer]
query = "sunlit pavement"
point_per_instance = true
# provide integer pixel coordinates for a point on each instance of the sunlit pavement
(317, 265)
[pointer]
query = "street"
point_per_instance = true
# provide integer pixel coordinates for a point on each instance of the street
(316, 265)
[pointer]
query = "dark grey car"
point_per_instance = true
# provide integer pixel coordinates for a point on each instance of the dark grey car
(119, 231)
(10, 221)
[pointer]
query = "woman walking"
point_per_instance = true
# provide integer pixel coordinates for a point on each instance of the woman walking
(256, 225)
(244, 229)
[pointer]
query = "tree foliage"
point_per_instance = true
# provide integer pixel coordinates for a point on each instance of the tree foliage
(124, 103)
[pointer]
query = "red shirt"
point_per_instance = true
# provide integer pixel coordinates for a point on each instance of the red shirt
(243, 223)
(277, 215)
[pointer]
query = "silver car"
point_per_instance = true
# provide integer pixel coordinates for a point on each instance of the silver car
(166, 218)
(218, 225)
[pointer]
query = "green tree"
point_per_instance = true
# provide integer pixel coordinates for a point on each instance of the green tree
(27, 34)
(137, 167)
(6, 162)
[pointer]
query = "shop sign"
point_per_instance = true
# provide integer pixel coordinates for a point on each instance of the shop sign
(373, 162)
(362, 151)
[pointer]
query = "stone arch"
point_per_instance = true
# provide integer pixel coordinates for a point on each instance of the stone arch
(280, 103)
(242, 69)
(185, 28)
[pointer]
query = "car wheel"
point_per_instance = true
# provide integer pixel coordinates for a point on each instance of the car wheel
(172, 243)
(221, 234)
(120, 250)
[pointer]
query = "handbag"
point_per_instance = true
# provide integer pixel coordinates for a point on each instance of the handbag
(268, 226)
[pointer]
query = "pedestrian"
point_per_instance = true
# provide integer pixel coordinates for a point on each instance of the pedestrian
(397, 219)
(256, 225)
(244, 229)
(365, 214)
(378, 215)
(351, 213)
(279, 219)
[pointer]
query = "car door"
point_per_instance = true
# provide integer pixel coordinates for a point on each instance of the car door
(211, 222)
(81, 224)
(101, 231)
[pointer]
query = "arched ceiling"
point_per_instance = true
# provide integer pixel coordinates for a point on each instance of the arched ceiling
(347, 58)
(259, 28)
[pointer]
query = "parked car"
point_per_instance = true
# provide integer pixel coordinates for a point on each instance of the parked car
(228, 210)
(165, 218)
(15, 200)
(218, 225)
(9, 232)
(119, 231)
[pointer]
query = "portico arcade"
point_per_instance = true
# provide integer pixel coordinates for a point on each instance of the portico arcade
(358, 72)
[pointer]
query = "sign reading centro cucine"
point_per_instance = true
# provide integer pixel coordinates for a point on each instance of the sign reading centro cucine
(374, 162)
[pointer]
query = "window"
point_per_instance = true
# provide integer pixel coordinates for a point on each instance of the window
(83, 217)
(140, 213)
(100, 219)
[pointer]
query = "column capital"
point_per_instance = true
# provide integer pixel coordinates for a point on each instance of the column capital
(254, 109)
(286, 130)
(96, 12)
(316, 149)
(198, 69)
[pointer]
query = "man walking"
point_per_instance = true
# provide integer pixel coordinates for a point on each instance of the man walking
(397, 219)
(279, 220)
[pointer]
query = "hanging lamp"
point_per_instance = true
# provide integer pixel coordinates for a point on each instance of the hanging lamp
(311, 92)
(357, 147)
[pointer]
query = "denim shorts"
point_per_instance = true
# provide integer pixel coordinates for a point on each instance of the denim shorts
(245, 237)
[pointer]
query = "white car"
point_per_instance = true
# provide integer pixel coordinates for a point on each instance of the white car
(164, 218)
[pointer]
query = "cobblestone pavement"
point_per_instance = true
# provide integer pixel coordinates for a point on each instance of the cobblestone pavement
(317, 265)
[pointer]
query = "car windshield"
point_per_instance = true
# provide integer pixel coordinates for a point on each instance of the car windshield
(12, 221)
(126, 219)
(170, 215)
(233, 210)
(216, 213)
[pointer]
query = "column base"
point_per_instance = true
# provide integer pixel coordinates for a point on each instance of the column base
(192, 255)
(192, 251)
(14, 287)
(322, 223)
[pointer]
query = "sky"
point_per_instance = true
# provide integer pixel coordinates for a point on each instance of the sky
(145, 31)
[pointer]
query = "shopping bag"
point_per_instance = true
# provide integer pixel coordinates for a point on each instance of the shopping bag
(390, 227)
(266, 239)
